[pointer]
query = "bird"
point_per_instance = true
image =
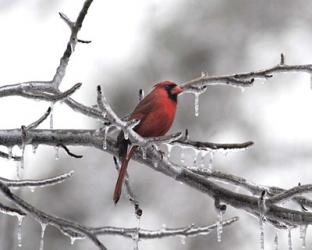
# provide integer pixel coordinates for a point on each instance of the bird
(156, 113)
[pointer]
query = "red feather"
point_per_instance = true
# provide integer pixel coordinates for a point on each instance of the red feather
(156, 113)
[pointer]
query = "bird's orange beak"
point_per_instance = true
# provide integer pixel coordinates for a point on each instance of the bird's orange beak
(177, 90)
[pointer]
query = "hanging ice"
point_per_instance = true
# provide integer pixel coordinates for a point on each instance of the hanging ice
(169, 148)
(303, 231)
(276, 242)
(195, 159)
(105, 137)
(261, 233)
(57, 153)
(19, 230)
(10, 154)
(183, 239)
(34, 148)
(210, 163)
(43, 228)
(202, 158)
(126, 134)
(289, 239)
(182, 157)
(196, 103)
(220, 226)
(51, 116)
(143, 150)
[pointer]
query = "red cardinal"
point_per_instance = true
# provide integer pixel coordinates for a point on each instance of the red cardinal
(156, 113)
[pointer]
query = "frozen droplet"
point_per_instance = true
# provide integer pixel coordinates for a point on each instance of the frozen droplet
(155, 164)
(32, 189)
(289, 239)
(163, 226)
(276, 242)
(203, 74)
(261, 233)
(169, 148)
(43, 228)
(34, 148)
(10, 152)
(242, 89)
(196, 103)
(57, 153)
(19, 230)
(105, 137)
(183, 239)
(303, 232)
(51, 116)
(219, 226)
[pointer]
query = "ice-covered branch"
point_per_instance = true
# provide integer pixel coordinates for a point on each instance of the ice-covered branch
(288, 194)
(246, 79)
(191, 230)
(46, 219)
(37, 183)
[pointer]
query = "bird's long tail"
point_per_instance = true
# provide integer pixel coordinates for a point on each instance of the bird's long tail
(122, 174)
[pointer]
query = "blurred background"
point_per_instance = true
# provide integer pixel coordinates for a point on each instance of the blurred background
(135, 45)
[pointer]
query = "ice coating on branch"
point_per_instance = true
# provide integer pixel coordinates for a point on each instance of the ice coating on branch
(43, 228)
(303, 232)
(105, 137)
(261, 233)
(276, 242)
(219, 226)
(289, 239)
(19, 230)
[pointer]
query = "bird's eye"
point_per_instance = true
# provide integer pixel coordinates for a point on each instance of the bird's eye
(167, 87)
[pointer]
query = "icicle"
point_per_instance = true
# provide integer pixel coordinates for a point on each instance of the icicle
(155, 164)
(57, 153)
(10, 152)
(43, 228)
(311, 81)
(289, 239)
(242, 89)
(126, 134)
(202, 158)
(18, 170)
(303, 231)
(195, 159)
(72, 240)
(182, 157)
(169, 148)
(51, 116)
(19, 230)
(135, 236)
(211, 154)
(105, 137)
(276, 242)
(183, 239)
(22, 156)
(196, 103)
(261, 233)
(143, 150)
(220, 226)
(34, 148)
